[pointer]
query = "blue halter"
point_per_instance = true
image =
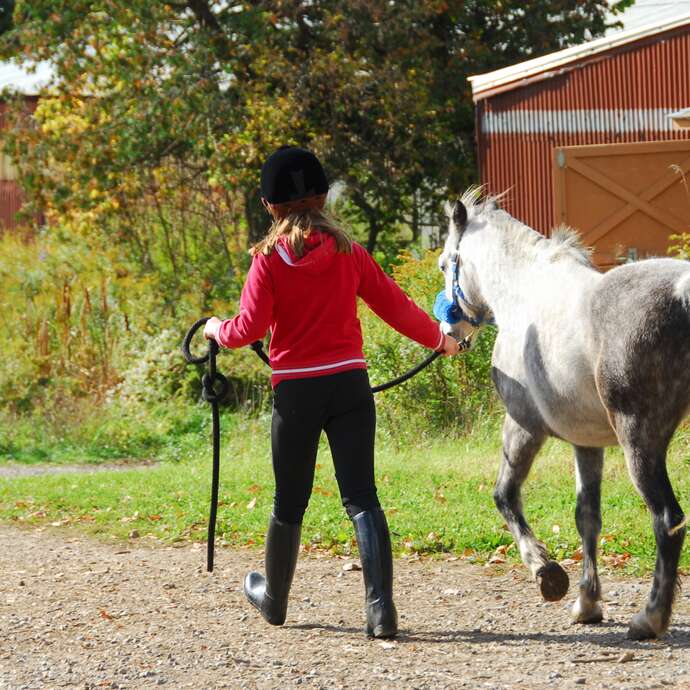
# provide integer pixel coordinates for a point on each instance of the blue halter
(451, 311)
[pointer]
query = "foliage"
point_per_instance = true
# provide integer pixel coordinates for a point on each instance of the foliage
(87, 325)
(84, 433)
(457, 392)
(175, 104)
(90, 330)
(681, 245)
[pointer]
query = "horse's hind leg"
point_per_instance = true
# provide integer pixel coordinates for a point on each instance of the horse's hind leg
(589, 467)
(646, 459)
(520, 447)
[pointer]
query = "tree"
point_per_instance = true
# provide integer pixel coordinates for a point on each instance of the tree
(154, 100)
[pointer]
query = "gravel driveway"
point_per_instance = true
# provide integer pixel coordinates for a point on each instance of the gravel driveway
(76, 613)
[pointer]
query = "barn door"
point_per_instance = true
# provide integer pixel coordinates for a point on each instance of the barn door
(624, 199)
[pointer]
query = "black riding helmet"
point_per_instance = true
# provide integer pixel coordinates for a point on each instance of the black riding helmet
(292, 173)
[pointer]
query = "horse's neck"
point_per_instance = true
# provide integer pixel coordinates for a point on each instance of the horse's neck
(509, 278)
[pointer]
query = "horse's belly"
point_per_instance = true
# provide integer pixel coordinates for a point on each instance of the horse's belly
(581, 431)
(575, 413)
(553, 381)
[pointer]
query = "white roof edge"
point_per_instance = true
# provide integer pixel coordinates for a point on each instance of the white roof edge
(528, 68)
(25, 78)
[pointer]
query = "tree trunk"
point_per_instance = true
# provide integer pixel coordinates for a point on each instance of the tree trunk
(374, 230)
(255, 214)
(415, 217)
(372, 218)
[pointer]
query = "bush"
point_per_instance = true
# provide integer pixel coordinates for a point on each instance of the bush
(453, 395)
(94, 339)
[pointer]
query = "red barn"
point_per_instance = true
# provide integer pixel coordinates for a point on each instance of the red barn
(586, 136)
(27, 84)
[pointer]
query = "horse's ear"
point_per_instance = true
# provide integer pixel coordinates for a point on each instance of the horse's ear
(459, 215)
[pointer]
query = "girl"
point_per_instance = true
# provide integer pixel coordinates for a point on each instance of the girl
(303, 285)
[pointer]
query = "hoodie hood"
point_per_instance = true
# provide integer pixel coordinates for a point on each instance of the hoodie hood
(319, 251)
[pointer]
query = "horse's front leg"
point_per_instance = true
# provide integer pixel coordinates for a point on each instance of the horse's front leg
(520, 447)
(589, 467)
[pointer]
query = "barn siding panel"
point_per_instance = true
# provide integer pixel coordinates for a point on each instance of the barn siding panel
(616, 97)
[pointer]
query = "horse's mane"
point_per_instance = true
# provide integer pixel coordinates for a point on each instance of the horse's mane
(564, 242)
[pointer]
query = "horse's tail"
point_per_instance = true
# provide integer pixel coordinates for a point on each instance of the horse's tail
(682, 289)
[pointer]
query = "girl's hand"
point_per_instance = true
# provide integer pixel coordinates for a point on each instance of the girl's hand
(450, 346)
(211, 328)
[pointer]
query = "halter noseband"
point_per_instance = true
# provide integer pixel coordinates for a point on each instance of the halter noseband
(460, 308)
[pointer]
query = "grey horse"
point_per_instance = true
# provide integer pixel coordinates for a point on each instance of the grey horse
(593, 359)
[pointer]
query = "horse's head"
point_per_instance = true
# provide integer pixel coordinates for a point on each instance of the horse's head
(463, 310)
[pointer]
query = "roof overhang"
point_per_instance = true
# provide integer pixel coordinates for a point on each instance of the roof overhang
(537, 69)
(27, 79)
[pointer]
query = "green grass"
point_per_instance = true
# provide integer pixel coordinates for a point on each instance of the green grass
(96, 434)
(437, 493)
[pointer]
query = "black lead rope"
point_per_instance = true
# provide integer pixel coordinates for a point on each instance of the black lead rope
(212, 393)
(214, 386)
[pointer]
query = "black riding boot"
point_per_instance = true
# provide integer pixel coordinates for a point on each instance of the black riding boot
(270, 594)
(371, 530)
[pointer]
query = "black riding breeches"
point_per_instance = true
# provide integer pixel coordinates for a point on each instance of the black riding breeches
(343, 406)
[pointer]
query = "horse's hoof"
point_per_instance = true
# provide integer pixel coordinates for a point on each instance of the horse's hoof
(587, 611)
(642, 628)
(553, 581)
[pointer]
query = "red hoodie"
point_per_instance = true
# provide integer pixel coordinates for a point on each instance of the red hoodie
(310, 305)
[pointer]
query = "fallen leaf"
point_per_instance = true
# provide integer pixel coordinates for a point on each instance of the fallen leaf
(105, 615)
(439, 495)
(252, 504)
(556, 529)
(254, 489)
(568, 562)
(352, 566)
(616, 560)
(154, 518)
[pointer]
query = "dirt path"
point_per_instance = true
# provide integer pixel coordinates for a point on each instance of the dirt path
(75, 613)
(11, 470)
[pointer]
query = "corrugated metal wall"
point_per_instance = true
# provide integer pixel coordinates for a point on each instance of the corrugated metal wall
(11, 198)
(10, 203)
(620, 96)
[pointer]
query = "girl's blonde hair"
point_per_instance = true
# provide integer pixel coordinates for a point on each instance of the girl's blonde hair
(295, 226)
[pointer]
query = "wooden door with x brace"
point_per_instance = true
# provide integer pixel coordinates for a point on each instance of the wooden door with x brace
(624, 199)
